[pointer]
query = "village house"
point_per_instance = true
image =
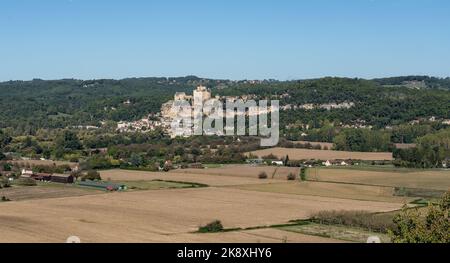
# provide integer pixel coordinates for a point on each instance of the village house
(277, 163)
(46, 177)
(26, 173)
(329, 163)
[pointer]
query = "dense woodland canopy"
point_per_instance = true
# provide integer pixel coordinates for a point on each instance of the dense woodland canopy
(29, 105)
(36, 117)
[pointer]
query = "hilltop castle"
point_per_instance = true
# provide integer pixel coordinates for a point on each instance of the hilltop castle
(200, 92)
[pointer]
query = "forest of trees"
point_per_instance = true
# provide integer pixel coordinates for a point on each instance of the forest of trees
(432, 150)
(26, 106)
(37, 116)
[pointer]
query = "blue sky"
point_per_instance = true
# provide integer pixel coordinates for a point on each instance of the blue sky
(246, 39)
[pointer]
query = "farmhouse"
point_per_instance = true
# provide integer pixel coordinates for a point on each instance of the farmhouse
(279, 163)
(26, 173)
(62, 178)
(329, 163)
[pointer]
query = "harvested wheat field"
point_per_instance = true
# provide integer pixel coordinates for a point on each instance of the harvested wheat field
(305, 154)
(208, 179)
(17, 193)
(438, 180)
(323, 145)
(159, 216)
(244, 171)
(335, 190)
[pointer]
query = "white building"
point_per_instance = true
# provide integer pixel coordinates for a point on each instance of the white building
(327, 163)
(278, 163)
(26, 173)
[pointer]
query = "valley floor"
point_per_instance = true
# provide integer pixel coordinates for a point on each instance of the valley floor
(245, 203)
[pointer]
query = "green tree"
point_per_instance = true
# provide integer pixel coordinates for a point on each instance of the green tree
(434, 227)
(68, 141)
(286, 160)
(136, 160)
(362, 140)
(4, 139)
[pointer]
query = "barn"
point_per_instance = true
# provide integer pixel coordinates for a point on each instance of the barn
(42, 177)
(62, 178)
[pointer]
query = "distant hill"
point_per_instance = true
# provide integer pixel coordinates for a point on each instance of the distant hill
(29, 105)
(417, 82)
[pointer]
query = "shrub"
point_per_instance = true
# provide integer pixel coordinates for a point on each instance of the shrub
(303, 174)
(7, 167)
(4, 183)
(291, 177)
(213, 227)
(262, 175)
(92, 176)
(25, 182)
(5, 199)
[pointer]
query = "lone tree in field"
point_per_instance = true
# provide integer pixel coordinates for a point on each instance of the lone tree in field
(434, 227)
(286, 161)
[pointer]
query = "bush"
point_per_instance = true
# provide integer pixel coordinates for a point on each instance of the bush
(303, 174)
(25, 182)
(291, 177)
(5, 199)
(4, 183)
(213, 227)
(262, 175)
(92, 176)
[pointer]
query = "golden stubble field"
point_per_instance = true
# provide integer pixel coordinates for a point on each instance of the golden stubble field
(334, 190)
(194, 176)
(161, 215)
(235, 196)
(437, 180)
(244, 171)
(306, 154)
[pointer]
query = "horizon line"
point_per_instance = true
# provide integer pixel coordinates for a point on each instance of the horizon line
(224, 79)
